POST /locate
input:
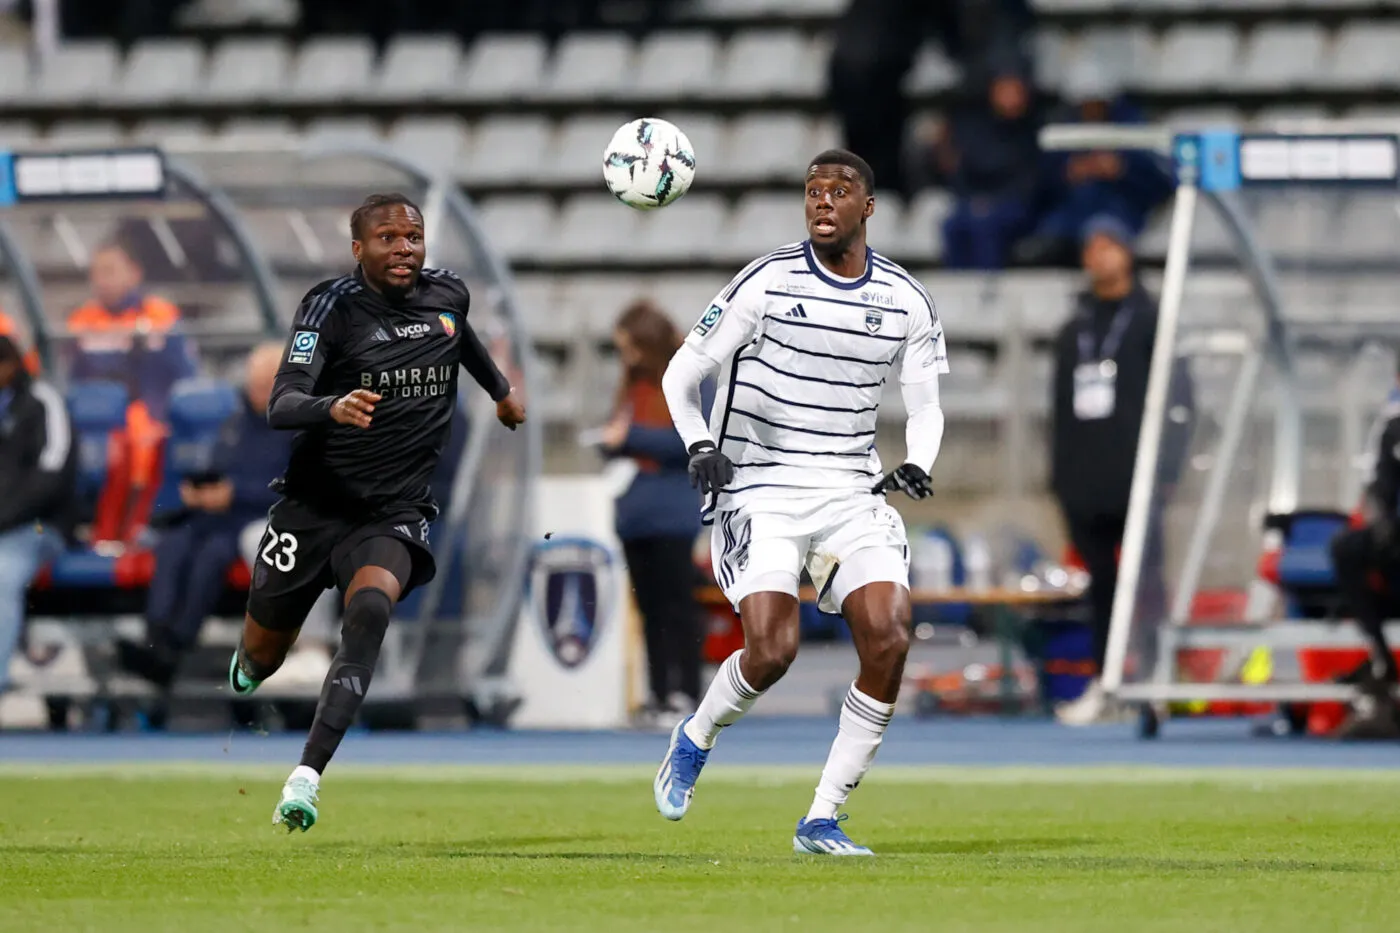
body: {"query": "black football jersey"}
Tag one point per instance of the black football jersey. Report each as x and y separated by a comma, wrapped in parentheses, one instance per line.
(347, 336)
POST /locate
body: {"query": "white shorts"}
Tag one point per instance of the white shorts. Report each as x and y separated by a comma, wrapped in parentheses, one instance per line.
(844, 543)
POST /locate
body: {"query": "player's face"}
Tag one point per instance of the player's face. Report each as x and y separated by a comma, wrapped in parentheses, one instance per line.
(837, 206)
(391, 249)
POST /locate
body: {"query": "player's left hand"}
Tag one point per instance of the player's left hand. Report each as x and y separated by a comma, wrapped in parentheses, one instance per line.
(509, 411)
(908, 478)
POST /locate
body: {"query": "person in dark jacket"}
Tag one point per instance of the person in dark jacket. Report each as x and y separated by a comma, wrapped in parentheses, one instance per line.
(193, 556)
(38, 466)
(1366, 561)
(1078, 186)
(1103, 355)
(656, 517)
(990, 154)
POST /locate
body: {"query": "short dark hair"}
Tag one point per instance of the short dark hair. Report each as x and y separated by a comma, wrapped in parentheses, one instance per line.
(373, 203)
(846, 157)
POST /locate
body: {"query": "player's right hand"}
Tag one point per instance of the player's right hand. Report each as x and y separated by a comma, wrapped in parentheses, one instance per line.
(710, 470)
(355, 409)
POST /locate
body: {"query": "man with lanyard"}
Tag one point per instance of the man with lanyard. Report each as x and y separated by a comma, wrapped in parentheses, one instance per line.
(1103, 355)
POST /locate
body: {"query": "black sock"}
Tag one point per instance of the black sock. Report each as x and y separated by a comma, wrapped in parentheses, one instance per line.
(252, 668)
(362, 633)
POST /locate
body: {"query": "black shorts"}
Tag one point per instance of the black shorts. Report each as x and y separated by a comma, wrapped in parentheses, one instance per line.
(304, 552)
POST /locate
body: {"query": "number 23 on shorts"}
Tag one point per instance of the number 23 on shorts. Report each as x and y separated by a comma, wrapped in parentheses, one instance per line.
(279, 550)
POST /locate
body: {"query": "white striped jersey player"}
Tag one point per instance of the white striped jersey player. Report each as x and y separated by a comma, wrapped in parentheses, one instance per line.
(802, 356)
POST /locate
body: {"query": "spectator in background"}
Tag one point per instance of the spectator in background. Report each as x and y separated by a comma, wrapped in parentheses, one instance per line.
(989, 153)
(657, 518)
(38, 464)
(127, 335)
(1103, 355)
(194, 553)
(1081, 185)
(875, 48)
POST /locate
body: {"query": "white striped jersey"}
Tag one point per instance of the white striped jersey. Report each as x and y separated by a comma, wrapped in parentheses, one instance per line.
(803, 357)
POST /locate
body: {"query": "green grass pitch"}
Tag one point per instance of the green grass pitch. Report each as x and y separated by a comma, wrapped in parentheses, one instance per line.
(425, 850)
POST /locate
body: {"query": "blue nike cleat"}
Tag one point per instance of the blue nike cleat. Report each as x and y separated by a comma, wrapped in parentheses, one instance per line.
(825, 837)
(680, 769)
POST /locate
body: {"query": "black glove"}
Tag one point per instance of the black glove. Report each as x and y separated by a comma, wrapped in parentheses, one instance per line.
(907, 478)
(710, 470)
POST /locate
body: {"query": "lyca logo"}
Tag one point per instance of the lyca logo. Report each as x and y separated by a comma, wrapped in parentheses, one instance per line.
(877, 298)
(413, 331)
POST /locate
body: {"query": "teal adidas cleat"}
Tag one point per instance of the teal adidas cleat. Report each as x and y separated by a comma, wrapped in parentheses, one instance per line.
(238, 681)
(297, 809)
(680, 769)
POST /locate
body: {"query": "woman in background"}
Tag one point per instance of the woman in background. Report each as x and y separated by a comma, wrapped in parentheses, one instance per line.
(658, 517)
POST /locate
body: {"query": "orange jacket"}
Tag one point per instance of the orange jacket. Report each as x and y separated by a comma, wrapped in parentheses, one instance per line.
(9, 329)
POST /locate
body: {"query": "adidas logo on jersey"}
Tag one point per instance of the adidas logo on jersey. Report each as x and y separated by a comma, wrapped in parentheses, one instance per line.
(381, 336)
(404, 530)
(797, 311)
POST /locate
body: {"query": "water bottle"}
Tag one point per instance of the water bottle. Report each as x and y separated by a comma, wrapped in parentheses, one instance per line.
(978, 556)
(932, 563)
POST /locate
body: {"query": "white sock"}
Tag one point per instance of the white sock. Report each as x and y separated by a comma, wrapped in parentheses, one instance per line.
(728, 698)
(306, 771)
(863, 723)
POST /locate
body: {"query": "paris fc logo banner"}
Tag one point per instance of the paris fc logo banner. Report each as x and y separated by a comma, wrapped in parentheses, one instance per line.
(571, 595)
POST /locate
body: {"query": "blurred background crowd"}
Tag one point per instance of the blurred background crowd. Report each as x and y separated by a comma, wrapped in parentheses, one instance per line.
(158, 327)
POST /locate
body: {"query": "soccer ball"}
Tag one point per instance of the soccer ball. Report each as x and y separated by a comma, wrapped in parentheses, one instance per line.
(648, 164)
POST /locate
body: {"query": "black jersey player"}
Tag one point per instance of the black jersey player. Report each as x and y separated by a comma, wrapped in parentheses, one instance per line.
(369, 382)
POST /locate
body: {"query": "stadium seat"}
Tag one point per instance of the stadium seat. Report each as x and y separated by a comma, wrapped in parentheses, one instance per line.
(417, 67)
(511, 149)
(331, 68)
(97, 412)
(1287, 117)
(590, 66)
(1305, 572)
(1282, 57)
(762, 222)
(80, 133)
(687, 231)
(344, 131)
(77, 72)
(589, 306)
(933, 72)
(536, 296)
(1369, 228)
(1108, 57)
(499, 68)
(14, 72)
(576, 158)
(437, 143)
(254, 131)
(198, 410)
(671, 65)
(1051, 48)
(684, 298)
(163, 130)
(1211, 51)
(1364, 57)
(706, 134)
(518, 225)
(160, 70)
(885, 229)
(243, 70)
(13, 133)
(593, 227)
(768, 64)
(922, 237)
(768, 146)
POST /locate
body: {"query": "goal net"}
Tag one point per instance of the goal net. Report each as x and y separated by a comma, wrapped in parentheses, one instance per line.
(1273, 360)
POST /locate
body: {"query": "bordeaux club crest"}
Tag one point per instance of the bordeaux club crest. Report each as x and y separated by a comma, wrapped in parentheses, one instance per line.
(874, 317)
(572, 589)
